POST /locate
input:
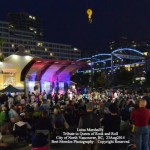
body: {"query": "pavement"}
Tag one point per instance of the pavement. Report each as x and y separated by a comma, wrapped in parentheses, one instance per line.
(23, 145)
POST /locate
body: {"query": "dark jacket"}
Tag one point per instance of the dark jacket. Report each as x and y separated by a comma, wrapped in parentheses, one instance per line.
(89, 120)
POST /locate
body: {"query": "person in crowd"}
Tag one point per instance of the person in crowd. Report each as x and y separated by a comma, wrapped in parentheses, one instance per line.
(111, 123)
(58, 119)
(39, 142)
(21, 122)
(3, 98)
(140, 118)
(10, 100)
(3, 120)
(44, 96)
(44, 122)
(89, 120)
(32, 98)
(22, 129)
(13, 115)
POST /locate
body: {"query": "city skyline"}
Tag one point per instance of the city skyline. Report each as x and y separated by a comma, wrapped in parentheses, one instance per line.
(67, 22)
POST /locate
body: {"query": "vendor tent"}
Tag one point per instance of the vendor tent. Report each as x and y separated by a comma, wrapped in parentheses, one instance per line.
(10, 89)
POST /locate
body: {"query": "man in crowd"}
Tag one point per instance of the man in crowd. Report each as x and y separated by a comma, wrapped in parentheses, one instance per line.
(140, 118)
(89, 120)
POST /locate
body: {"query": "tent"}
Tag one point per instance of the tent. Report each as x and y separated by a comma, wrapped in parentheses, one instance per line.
(10, 89)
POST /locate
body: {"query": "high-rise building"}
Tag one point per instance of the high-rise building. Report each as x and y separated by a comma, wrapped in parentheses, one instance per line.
(26, 22)
(11, 38)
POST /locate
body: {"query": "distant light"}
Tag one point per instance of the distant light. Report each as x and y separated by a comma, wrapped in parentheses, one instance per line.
(75, 49)
(31, 29)
(39, 44)
(27, 57)
(15, 56)
(127, 66)
(51, 54)
(12, 45)
(89, 63)
(134, 45)
(31, 84)
(27, 51)
(145, 53)
(32, 17)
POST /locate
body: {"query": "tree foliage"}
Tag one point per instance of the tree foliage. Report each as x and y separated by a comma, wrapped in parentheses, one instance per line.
(123, 76)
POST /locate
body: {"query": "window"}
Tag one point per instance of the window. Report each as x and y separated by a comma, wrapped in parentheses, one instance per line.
(39, 44)
(12, 45)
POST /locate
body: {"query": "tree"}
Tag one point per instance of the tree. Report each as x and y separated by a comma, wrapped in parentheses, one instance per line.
(82, 79)
(123, 76)
(1, 54)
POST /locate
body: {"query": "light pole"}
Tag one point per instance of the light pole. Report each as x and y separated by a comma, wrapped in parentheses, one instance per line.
(91, 74)
(112, 69)
(146, 63)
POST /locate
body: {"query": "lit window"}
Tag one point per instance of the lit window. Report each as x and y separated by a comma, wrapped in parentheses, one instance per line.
(75, 49)
(39, 44)
(27, 51)
(145, 53)
(31, 29)
(51, 54)
(12, 45)
(126, 66)
(46, 49)
(134, 45)
(11, 26)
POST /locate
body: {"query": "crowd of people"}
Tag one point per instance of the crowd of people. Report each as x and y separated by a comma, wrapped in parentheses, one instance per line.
(116, 110)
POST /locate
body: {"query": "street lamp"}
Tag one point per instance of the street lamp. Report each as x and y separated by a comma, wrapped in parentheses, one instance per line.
(146, 61)
(91, 73)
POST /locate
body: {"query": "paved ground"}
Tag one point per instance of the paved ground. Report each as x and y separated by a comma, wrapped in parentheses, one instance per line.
(23, 146)
(59, 147)
(68, 147)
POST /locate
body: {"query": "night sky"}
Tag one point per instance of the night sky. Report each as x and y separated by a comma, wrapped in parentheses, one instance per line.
(65, 21)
